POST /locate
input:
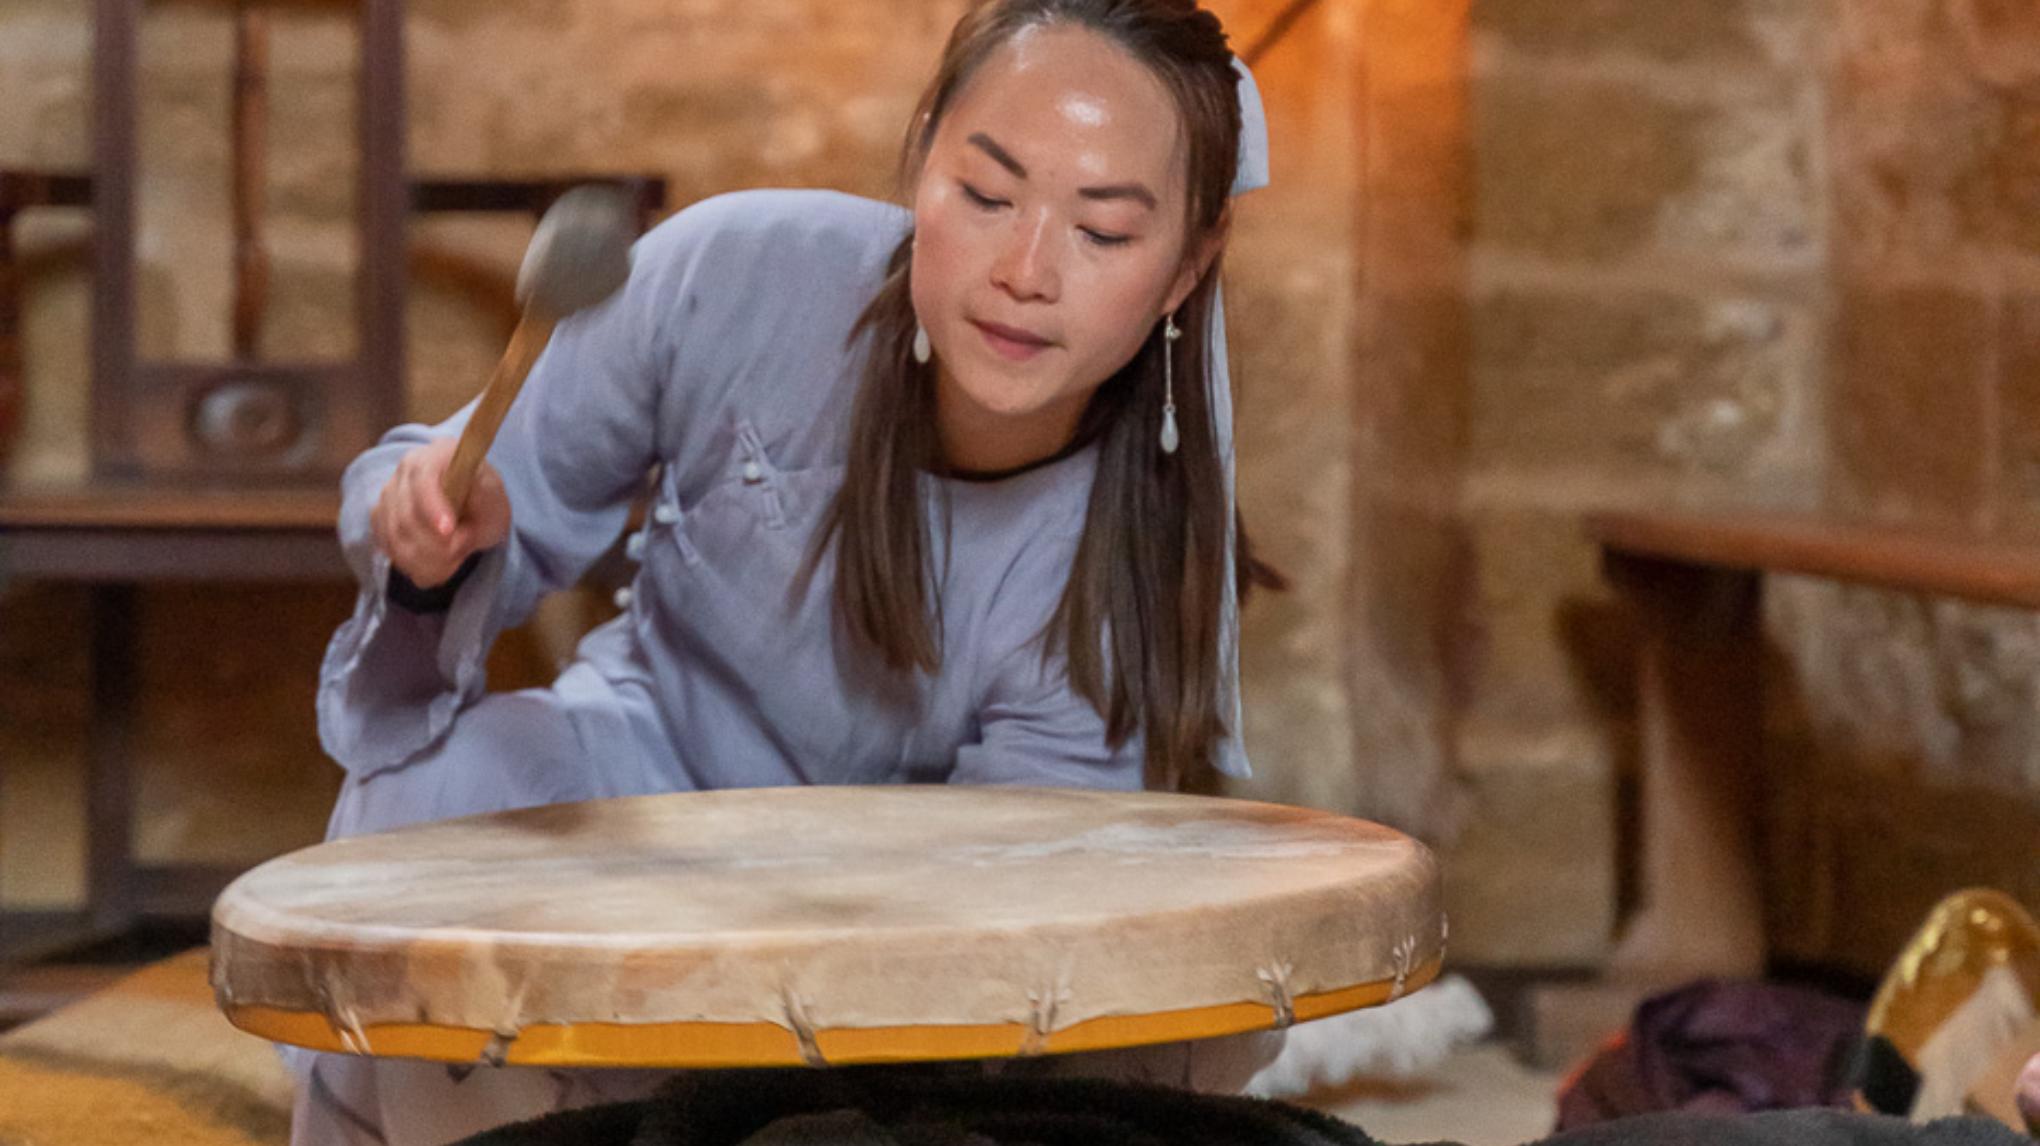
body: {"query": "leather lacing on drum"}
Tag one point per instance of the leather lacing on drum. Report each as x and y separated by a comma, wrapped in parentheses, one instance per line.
(347, 1024)
(1042, 1006)
(497, 1052)
(1405, 956)
(1275, 978)
(505, 1030)
(803, 1027)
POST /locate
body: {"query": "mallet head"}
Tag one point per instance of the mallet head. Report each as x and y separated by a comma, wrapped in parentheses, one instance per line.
(580, 253)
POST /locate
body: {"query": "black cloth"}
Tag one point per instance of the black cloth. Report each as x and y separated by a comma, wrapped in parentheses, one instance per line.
(1789, 1128)
(895, 1106)
(890, 1106)
(406, 595)
(1882, 1076)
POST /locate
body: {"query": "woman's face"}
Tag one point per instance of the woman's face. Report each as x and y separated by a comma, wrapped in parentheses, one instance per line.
(1049, 238)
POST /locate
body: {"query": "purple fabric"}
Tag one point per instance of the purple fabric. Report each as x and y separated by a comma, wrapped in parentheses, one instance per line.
(1717, 1047)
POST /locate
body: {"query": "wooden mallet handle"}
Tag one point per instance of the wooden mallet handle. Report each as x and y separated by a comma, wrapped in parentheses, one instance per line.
(579, 255)
(526, 343)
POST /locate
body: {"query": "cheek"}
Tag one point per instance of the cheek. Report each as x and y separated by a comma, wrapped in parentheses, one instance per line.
(943, 257)
(1119, 314)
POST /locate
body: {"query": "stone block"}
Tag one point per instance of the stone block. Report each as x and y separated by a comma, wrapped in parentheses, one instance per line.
(1413, 399)
(1725, 33)
(2001, 38)
(1597, 170)
(1630, 385)
(1908, 406)
(1898, 685)
(1999, 194)
(1898, 153)
(1530, 876)
(1890, 35)
(1409, 574)
(1578, 171)
(1934, 120)
(2018, 393)
(1548, 646)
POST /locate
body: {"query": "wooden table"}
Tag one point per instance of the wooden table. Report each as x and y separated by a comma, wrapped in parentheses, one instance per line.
(114, 538)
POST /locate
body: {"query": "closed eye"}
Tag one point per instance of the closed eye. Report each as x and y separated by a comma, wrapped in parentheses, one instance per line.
(981, 199)
(1106, 239)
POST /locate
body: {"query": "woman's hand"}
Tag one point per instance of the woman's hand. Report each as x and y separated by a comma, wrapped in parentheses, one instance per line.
(2029, 1095)
(418, 528)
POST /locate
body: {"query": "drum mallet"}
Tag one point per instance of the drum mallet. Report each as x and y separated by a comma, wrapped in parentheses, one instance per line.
(579, 256)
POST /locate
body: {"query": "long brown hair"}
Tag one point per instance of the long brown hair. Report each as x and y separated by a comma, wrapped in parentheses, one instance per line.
(1139, 620)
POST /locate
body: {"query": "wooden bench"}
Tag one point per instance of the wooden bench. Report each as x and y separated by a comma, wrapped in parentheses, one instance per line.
(1695, 583)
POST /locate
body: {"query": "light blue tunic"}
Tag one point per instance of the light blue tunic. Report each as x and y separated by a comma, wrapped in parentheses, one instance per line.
(724, 361)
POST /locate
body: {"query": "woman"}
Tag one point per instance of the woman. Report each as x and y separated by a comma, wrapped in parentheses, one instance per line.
(944, 494)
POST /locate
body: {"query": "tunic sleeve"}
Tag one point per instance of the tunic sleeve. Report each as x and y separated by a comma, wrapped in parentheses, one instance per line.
(1036, 731)
(572, 451)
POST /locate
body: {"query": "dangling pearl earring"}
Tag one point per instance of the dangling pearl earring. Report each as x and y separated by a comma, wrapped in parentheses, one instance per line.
(1170, 333)
(922, 351)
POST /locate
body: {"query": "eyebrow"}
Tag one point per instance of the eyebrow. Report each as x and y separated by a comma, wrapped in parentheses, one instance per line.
(1134, 191)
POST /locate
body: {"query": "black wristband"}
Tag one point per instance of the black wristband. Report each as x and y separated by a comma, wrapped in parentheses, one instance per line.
(406, 595)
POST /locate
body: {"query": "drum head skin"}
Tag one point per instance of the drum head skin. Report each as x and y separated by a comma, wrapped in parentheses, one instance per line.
(826, 925)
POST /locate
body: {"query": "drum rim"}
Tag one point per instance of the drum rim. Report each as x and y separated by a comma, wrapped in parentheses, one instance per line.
(703, 1045)
(304, 947)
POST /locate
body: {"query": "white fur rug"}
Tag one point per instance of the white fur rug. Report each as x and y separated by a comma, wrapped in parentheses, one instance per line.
(1397, 1040)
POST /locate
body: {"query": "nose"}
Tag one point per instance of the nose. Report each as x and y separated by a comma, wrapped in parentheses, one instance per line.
(1026, 267)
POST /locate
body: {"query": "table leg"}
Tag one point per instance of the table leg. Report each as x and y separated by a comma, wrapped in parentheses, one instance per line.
(10, 334)
(111, 903)
(1700, 716)
(109, 799)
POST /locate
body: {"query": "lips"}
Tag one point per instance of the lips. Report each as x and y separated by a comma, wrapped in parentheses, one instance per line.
(1010, 341)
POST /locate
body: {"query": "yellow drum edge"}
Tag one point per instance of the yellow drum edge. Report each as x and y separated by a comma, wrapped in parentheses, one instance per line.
(698, 1045)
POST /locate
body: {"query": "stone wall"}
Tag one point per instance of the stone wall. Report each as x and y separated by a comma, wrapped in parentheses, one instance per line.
(1910, 754)
(1646, 296)
(1763, 253)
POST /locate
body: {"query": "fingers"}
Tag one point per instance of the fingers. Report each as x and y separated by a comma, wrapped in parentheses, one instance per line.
(441, 515)
(2029, 1094)
(422, 471)
(416, 526)
(423, 531)
(488, 509)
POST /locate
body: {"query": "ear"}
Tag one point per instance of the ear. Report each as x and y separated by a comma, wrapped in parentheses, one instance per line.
(1198, 260)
